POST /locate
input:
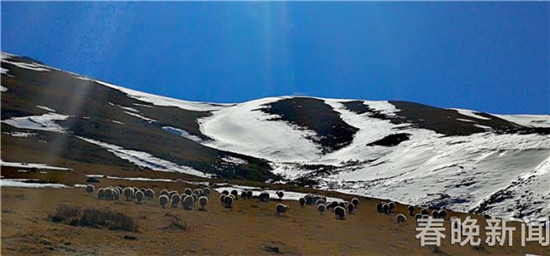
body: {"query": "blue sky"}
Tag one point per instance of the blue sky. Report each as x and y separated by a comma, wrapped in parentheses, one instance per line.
(492, 57)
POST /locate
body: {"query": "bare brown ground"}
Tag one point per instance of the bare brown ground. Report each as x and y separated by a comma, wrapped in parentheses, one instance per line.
(250, 228)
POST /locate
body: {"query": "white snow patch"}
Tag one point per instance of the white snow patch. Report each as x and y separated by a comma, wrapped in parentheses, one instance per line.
(44, 122)
(20, 134)
(161, 100)
(234, 160)
(528, 120)
(29, 183)
(384, 107)
(244, 129)
(149, 120)
(32, 165)
(465, 120)
(146, 160)
(128, 178)
(117, 122)
(3, 89)
(182, 133)
(45, 108)
(470, 113)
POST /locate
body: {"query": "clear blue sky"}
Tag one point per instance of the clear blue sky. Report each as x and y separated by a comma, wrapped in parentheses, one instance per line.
(491, 57)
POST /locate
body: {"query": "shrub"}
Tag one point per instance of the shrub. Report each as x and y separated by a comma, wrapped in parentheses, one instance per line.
(95, 218)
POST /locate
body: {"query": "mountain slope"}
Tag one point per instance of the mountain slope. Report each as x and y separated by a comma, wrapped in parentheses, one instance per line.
(460, 159)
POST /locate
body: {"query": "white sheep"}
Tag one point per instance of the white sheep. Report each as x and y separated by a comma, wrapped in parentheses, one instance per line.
(175, 200)
(280, 194)
(108, 194)
(321, 208)
(442, 213)
(90, 188)
(163, 200)
(228, 201)
(188, 191)
(206, 192)
(302, 201)
(320, 201)
(400, 218)
(203, 201)
(355, 201)
(340, 212)
(264, 196)
(351, 208)
(116, 194)
(101, 193)
(392, 206)
(139, 196)
(150, 193)
(164, 192)
(128, 193)
(222, 199)
(281, 209)
(188, 202)
(173, 192)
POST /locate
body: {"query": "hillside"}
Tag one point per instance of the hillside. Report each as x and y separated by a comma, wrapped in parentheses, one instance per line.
(463, 160)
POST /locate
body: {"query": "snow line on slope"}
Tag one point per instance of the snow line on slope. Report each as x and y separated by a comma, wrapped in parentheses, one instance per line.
(146, 160)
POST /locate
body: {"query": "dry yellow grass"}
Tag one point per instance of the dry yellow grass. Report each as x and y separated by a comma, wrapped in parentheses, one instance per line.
(250, 228)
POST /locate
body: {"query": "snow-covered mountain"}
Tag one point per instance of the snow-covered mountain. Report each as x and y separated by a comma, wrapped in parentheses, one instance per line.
(412, 153)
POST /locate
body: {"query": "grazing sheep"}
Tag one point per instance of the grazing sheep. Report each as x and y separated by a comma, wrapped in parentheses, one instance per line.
(320, 201)
(188, 191)
(108, 194)
(222, 199)
(206, 192)
(244, 194)
(339, 212)
(302, 201)
(442, 214)
(249, 194)
(392, 206)
(400, 218)
(435, 214)
(308, 199)
(417, 217)
(149, 194)
(90, 189)
(203, 201)
(175, 199)
(281, 208)
(225, 192)
(163, 200)
(314, 199)
(228, 201)
(142, 189)
(355, 201)
(380, 207)
(116, 195)
(332, 205)
(424, 211)
(101, 193)
(425, 216)
(411, 210)
(128, 193)
(197, 191)
(342, 204)
(235, 193)
(386, 208)
(188, 202)
(351, 208)
(195, 198)
(164, 192)
(264, 196)
(139, 196)
(321, 208)
(173, 192)
(280, 194)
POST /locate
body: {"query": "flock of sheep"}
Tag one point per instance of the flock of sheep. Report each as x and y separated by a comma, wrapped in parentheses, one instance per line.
(189, 198)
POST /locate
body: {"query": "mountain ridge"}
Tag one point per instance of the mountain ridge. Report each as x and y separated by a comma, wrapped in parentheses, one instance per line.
(404, 151)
